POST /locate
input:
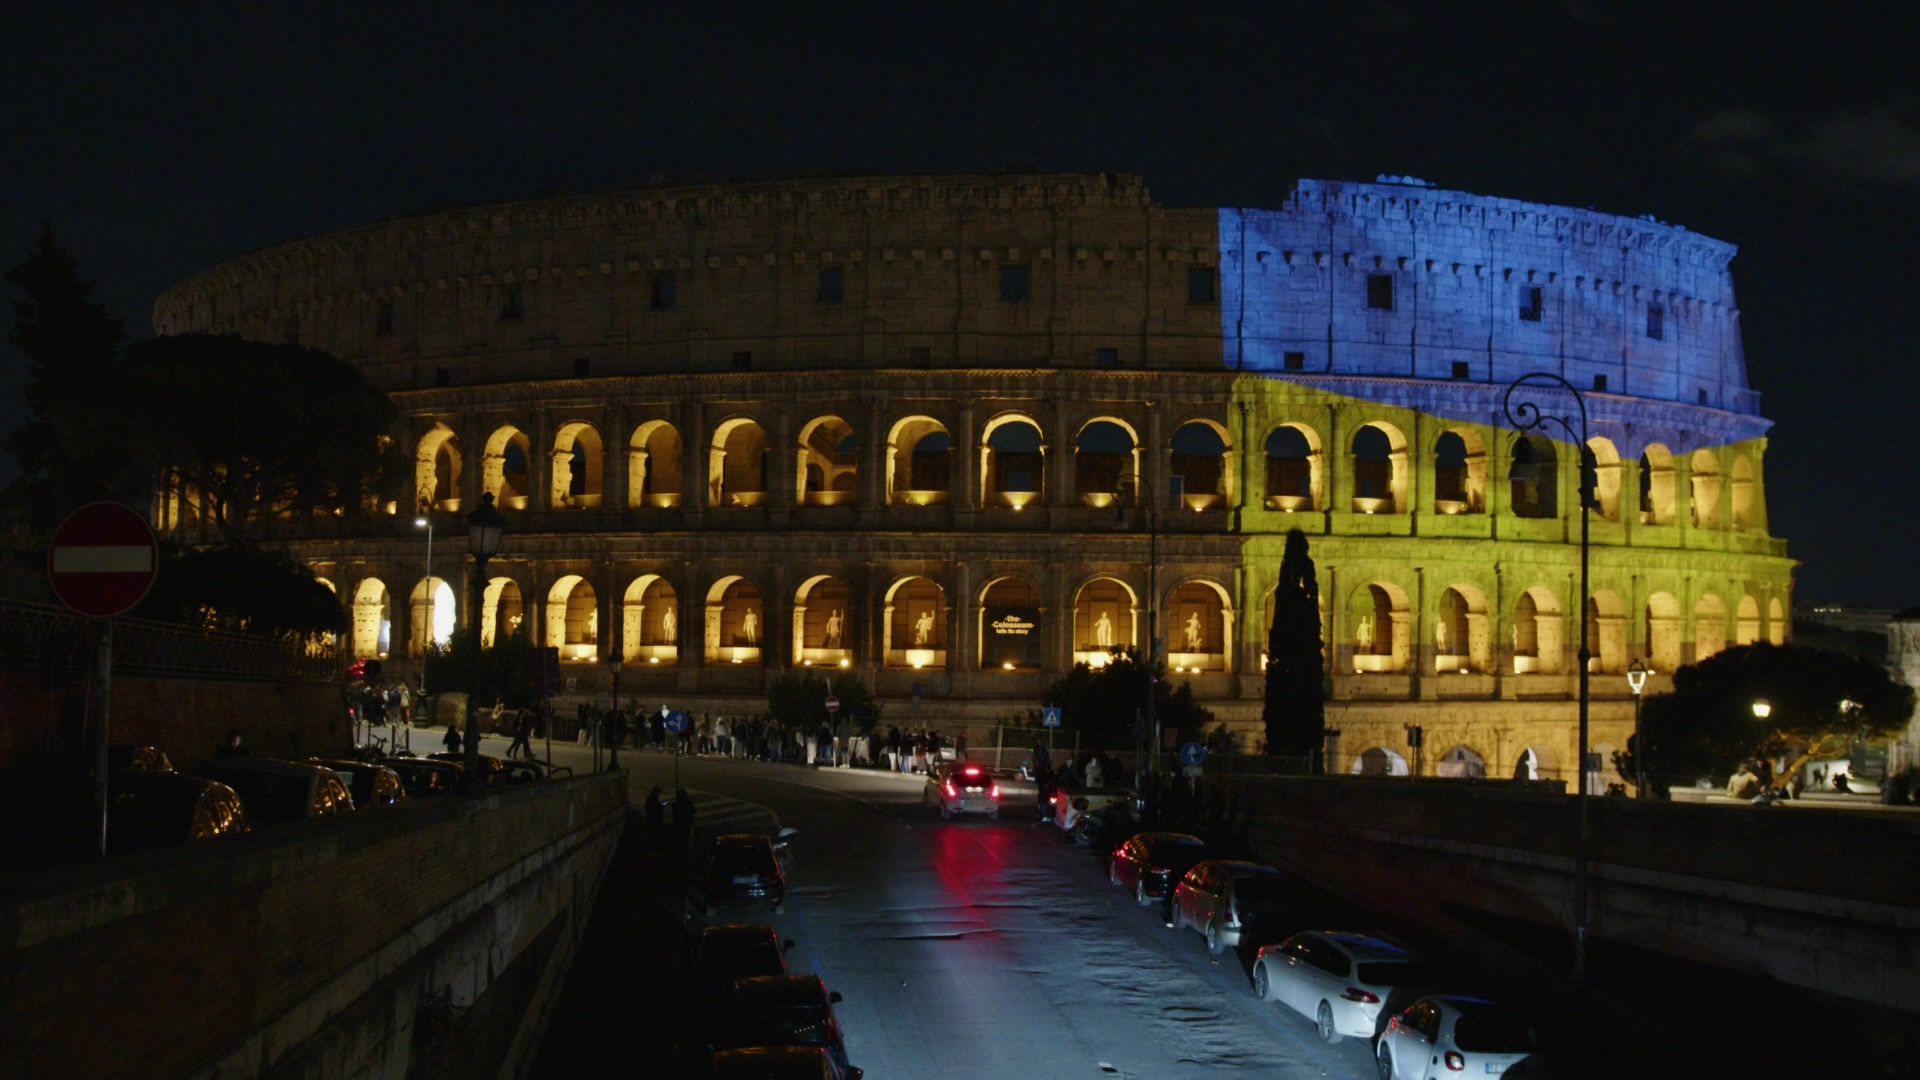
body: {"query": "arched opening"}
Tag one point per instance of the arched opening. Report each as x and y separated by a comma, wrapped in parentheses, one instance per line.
(1747, 623)
(1202, 466)
(504, 468)
(1105, 452)
(826, 463)
(1776, 621)
(915, 621)
(1539, 635)
(737, 464)
(1379, 761)
(1010, 626)
(1012, 463)
(823, 623)
(1606, 471)
(654, 462)
(502, 611)
(1293, 469)
(1383, 629)
(1656, 486)
(436, 471)
(1106, 616)
(1663, 632)
(1459, 473)
(919, 462)
(1531, 765)
(579, 471)
(1199, 628)
(431, 616)
(1709, 626)
(1379, 469)
(1703, 472)
(573, 618)
(1462, 640)
(372, 620)
(1534, 478)
(1606, 633)
(650, 622)
(1461, 763)
(1743, 492)
(735, 627)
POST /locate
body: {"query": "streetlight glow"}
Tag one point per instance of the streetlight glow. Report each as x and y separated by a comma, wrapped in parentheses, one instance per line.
(1762, 709)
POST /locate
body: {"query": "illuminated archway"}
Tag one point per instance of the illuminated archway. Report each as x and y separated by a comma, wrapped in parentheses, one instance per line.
(1379, 761)
(436, 471)
(823, 623)
(1703, 472)
(578, 473)
(1664, 632)
(1199, 628)
(1106, 454)
(1459, 472)
(737, 464)
(431, 615)
(919, 462)
(1106, 616)
(1656, 486)
(1747, 621)
(1709, 626)
(826, 463)
(502, 611)
(1382, 628)
(1606, 633)
(650, 622)
(1606, 472)
(1462, 637)
(1013, 460)
(372, 620)
(1202, 465)
(1776, 621)
(1743, 493)
(1533, 478)
(573, 618)
(1294, 482)
(504, 468)
(735, 629)
(1461, 763)
(1379, 463)
(1539, 633)
(655, 460)
(1010, 626)
(915, 624)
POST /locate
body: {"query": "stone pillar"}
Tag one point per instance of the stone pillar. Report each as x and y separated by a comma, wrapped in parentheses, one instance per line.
(473, 447)
(869, 482)
(1059, 460)
(614, 478)
(1158, 463)
(1057, 615)
(784, 462)
(693, 475)
(868, 658)
(963, 647)
(963, 477)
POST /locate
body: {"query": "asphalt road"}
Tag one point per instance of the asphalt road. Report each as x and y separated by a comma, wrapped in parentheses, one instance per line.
(969, 948)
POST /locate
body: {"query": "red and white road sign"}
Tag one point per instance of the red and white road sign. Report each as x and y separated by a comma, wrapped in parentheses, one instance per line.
(102, 560)
(833, 703)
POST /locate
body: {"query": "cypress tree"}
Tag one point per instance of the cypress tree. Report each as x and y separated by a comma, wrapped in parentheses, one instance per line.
(1295, 706)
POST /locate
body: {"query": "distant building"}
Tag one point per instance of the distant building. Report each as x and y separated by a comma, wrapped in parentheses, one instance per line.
(1903, 657)
(914, 426)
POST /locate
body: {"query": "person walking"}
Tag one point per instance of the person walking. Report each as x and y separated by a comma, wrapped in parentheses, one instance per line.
(452, 740)
(406, 705)
(823, 746)
(1096, 772)
(523, 735)
(722, 737)
(656, 816)
(615, 727)
(682, 823)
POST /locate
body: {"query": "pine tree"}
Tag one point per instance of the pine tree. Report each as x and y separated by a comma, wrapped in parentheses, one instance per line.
(1295, 707)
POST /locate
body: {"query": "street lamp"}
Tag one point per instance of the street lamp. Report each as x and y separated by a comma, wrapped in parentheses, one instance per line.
(1526, 414)
(1637, 681)
(427, 638)
(1144, 496)
(484, 527)
(1762, 709)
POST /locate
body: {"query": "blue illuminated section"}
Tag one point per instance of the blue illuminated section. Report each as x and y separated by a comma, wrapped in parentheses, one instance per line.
(1407, 295)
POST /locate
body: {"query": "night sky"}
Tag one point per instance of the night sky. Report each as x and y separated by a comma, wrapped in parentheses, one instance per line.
(159, 144)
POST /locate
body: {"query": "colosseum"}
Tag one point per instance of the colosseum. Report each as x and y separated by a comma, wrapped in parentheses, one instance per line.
(957, 433)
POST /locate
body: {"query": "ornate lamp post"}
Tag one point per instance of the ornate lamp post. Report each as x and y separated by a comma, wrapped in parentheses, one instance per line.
(427, 639)
(1637, 681)
(484, 528)
(1523, 406)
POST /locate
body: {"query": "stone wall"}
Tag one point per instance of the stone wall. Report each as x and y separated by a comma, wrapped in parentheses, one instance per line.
(420, 942)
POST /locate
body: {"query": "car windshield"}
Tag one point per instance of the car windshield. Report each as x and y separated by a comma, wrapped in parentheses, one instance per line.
(1394, 972)
(270, 796)
(1259, 888)
(792, 1025)
(744, 959)
(743, 860)
(1492, 1031)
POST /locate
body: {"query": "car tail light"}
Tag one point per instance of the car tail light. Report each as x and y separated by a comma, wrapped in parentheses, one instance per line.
(1364, 997)
(994, 792)
(952, 792)
(1455, 1062)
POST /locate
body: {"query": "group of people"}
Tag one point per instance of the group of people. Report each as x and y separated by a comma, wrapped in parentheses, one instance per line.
(1753, 781)
(656, 812)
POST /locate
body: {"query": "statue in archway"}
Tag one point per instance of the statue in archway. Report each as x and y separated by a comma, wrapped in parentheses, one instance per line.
(1364, 635)
(593, 626)
(1440, 636)
(750, 627)
(1193, 632)
(833, 630)
(923, 627)
(669, 626)
(1103, 631)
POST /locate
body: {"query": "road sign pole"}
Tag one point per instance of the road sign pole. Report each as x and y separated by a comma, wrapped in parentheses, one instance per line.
(103, 683)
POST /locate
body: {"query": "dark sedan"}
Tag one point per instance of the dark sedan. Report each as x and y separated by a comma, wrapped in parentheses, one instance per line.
(738, 869)
(725, 954)
(788, 1010)
(1151, 862)
(372, 784)
(54, 815)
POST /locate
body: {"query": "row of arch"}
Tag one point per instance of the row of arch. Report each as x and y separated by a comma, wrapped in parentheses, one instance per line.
(741, 462)
(1461, 761)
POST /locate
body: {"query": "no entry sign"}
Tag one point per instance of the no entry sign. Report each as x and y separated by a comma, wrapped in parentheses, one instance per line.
(103, 559)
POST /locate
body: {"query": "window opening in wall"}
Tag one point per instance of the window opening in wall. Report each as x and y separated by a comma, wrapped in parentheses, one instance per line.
(1380, 292)
(1646, 490)
(1460, 369)
(920, 356)
(1016, 284)
(1599, 382)
(1656, 322)
(1296, 361)
(512, 305)
(1701, 393)
(832, 287)
(442, 377)
(1106, 358)
(1533, 479)
(383, 319)
(1289, 470)
(1372, 464)
(742, 361)
(1532, 302)
(1450, 468)
(581, 365)
(1200, 288)
(665, 291)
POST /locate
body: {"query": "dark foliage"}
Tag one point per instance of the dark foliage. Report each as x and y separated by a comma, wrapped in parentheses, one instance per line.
(1105, 700)
(800, 700)
(243, 589)
(506, 668)
(1295, 706)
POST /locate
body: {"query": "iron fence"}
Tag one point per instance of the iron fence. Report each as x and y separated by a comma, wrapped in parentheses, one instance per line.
(52, 639)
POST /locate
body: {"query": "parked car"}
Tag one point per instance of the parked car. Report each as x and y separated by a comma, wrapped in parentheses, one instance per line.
(1341, 981)
(1151, 862)
(724, 954)
(788, 1010)
(773, 1063)
(279, 791)
(371, 783)
(737, 869)
(425, 779)
(492, 768)
(52, 814)
(523, 771)
(1225, 898)
(1067, 805)
(1454, 1035)
(961, 787)
(143, 758)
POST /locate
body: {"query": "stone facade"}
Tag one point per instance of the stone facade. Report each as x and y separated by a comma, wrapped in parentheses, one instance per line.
(957, 433)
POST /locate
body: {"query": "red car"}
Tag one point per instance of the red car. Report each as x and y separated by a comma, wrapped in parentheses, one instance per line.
(1151, 863)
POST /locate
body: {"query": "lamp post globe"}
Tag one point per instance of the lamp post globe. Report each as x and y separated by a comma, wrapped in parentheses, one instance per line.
(1762, 709)
(1637, 673)
(484, 529)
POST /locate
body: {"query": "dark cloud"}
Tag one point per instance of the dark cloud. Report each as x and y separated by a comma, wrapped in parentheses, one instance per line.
(1877, 147)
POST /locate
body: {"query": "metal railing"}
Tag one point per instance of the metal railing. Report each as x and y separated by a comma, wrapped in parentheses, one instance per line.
(47, 637)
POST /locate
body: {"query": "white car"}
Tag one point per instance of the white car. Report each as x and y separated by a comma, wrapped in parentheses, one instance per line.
(961, 787)
(1341, 981)
(1449, 1035)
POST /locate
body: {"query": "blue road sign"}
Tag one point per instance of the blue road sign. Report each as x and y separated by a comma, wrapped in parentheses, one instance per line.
(1192, 754)
(677, 722)
(1050, 717)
